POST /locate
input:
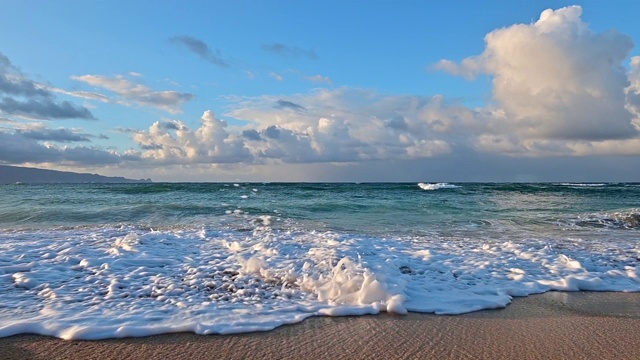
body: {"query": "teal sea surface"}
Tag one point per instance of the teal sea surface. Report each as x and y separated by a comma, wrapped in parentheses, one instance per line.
(385, 208)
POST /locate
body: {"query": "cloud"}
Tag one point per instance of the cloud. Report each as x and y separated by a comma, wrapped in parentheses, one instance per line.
(251, 134)
(284, 104)
(128, 92)
(276, 76)
(633, 91)
(4, 120)
(177, 143)
(83, 94)
(23, 97)
(15, 85)
(58, 135)
(44, 109)
(320, 79)
(468, 68)
(13, 82)
(289, 51)
(555, 79)
(201, 49)
(17, 148)
(347, 125)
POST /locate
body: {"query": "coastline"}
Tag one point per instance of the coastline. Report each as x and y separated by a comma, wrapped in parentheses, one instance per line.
(581, 325)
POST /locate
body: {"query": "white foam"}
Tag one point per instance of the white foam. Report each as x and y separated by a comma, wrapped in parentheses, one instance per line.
(72, 284)
(587, 185)
(436, 186)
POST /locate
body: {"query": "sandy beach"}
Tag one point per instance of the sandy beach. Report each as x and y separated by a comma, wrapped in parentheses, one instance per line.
(555, 325)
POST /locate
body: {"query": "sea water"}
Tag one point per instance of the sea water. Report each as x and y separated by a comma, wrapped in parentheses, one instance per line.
(94, 261)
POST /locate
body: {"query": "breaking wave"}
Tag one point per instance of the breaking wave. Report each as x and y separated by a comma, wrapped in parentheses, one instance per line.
(436, 186)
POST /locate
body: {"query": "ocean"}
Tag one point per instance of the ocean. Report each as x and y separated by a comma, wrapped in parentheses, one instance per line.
(95, 261)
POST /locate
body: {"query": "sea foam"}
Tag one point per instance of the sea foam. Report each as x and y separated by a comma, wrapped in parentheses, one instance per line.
(110, 282)
(436, 186)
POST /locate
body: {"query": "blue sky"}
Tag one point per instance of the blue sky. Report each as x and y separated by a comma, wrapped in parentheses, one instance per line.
(323, 91)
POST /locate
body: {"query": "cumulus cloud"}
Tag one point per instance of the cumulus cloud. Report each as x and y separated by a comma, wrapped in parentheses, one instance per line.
(201, 49)
(177, 143)
(128, 92)
(555, 79)
(347, 124)
(251, 134)
(338, 126)
(633, 91)
(289, 51)
(23, 97)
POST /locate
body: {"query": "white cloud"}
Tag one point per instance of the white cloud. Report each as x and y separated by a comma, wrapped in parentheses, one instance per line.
(129, 92)
(633, 91)
(559, 89)
(82, 94)
(346, 124)
(174, 142)
(555, 78)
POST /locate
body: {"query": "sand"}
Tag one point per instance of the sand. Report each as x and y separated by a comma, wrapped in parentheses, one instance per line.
(554, 325)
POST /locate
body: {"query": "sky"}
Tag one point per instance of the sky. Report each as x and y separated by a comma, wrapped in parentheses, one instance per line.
(323, 90)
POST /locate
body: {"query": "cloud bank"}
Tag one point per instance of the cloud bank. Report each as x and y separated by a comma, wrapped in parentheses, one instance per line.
(23, 147)
(326, 126)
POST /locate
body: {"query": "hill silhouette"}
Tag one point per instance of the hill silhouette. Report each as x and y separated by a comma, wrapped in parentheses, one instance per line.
(15, 174)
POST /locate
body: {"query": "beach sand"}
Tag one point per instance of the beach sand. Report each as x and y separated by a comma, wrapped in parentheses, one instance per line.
(555, 325)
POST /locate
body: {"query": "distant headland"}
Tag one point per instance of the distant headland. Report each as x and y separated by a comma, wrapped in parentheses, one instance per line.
(15, 174)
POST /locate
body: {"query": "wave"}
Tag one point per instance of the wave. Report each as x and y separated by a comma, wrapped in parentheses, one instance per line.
(436, 186)
(584, 185)
(103, 282)
(622, 220)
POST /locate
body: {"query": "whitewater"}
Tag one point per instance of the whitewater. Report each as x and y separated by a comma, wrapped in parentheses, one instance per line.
(96, 261)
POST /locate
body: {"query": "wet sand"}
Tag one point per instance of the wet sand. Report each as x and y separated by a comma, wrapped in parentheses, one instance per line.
(555, 325)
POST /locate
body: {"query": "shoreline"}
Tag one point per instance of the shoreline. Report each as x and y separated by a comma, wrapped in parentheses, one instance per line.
(580, 325)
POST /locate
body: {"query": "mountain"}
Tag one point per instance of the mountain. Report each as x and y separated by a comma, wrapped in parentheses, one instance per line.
(15, 174)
